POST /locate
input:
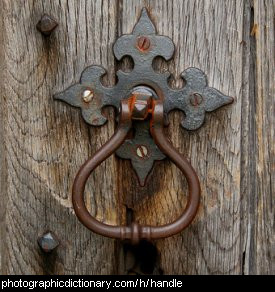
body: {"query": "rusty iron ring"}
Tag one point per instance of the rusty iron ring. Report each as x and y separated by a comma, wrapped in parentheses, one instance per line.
(136, 232)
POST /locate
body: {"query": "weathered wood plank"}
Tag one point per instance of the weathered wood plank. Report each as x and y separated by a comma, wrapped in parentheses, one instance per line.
(247, 135)
(207, 35)
(257, 184)
(2, 147)
(263, 255)
(47, 141)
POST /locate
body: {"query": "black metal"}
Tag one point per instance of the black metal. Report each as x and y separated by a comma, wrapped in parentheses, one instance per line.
(46, 25)
(48, 242)
(141, 150)
(143, 45)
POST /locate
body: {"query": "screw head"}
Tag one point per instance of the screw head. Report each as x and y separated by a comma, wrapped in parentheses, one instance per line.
(87, 95)
(48, 242)
(143, 43)
(142, 151)
(196, 99)
(46, 25)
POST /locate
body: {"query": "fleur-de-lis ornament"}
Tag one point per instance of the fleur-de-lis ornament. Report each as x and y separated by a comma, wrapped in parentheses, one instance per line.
(144, 45)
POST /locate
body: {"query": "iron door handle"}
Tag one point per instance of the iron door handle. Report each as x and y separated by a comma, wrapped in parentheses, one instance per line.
(136, 232)
(140, 94)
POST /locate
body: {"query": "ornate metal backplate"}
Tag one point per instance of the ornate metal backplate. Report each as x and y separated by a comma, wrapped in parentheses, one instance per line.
(144, 45)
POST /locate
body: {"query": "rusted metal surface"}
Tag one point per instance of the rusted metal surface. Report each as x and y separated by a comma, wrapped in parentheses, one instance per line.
(46, 25)
(136, 232)
(141, 98)
(141, 149)
(143, 45)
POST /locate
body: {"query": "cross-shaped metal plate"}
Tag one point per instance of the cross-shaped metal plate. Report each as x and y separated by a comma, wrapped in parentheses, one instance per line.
(144, 45)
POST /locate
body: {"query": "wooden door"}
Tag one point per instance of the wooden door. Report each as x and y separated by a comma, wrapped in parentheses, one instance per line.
(44, 142)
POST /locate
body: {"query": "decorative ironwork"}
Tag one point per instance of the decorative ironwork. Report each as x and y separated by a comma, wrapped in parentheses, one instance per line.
(144, 45)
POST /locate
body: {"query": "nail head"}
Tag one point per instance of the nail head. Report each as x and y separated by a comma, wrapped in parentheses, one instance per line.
(48, 242)
(46, 25)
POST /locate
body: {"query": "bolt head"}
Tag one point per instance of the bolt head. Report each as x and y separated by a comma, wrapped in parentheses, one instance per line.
(48, 242)
(140, 110)
(141, 103)
(46, 25)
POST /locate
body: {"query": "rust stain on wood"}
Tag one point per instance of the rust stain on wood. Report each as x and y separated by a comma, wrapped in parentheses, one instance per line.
(254, 30)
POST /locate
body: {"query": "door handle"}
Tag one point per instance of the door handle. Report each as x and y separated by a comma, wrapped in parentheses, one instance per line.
(136, 232)
(143, 100)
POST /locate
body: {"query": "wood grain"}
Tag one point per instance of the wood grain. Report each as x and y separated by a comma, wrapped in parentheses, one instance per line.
(262, 240)
(45, 142)
(3, 169)
(211, 245)
(257, 164)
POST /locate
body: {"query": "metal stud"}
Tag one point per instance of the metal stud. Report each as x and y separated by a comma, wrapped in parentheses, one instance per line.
(48, 242)
(46, 25)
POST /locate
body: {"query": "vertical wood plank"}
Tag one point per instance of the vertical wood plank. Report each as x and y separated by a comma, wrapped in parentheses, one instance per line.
(48, 141)
(3, 176)
(263, 258)
(248, 138)
(257, 185)
(207, 35)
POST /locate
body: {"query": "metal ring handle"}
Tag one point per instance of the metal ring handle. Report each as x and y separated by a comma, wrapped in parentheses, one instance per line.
(190, 211)
(135, 232)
